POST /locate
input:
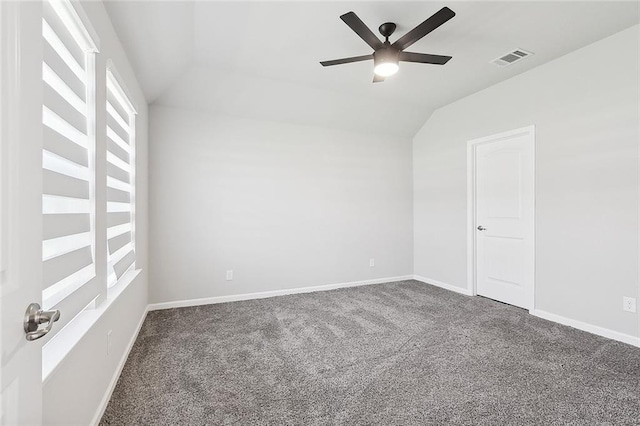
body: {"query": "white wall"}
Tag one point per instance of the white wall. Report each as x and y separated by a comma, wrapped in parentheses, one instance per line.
(585, 109)
(289, 206)
(75, 390)
(284, 206)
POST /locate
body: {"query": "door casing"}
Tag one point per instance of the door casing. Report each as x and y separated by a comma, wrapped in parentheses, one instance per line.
(471, 205)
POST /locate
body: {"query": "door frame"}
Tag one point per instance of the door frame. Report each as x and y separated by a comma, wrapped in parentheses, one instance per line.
(471, 204)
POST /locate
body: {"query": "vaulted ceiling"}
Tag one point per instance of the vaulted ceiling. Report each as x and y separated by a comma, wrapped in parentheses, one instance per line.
(260, 59)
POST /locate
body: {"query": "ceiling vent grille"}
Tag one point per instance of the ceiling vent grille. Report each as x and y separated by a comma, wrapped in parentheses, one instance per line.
(512, 57)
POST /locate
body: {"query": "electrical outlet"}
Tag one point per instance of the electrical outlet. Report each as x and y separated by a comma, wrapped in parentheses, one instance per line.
(372, 263)
(230, 275)
(628, 304)
(109, 342)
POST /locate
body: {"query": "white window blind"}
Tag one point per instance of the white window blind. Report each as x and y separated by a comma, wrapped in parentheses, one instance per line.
(120, 180)
(68, 200)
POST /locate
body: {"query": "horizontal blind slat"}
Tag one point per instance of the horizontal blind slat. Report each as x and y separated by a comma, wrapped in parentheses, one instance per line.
(54, 204)
(62, 50)
(57, 104)
(59, 225)
(60, 267)
(58, 164)
(120, 253)
(59, 184)
(115, 101)
(61, 29)
(118, 242)
(57, 64)
(62, 245)
(118, 184)
(118, 218)
(125, 263)
(60, 125)
(116, 161)
(114, 206)
(116, 149)
(57, 84)
(120, 119)
(122, 132)
(65, 287)
(71, 301)
(55, 142)
(118, 196)
(114, 231)
(117, 173)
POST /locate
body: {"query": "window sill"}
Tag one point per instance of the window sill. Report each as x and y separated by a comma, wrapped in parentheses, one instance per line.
(57, 349)
(115, 290)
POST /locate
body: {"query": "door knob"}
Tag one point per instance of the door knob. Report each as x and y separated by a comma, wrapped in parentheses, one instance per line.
(481, 228)
(34, 316)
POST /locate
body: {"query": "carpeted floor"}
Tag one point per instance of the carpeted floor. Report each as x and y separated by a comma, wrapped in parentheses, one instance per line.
(391, 354)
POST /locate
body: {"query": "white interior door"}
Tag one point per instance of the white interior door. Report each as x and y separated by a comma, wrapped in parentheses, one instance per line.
(504, 214)
(20, 208)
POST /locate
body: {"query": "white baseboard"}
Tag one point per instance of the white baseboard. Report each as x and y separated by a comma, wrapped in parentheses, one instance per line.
(590, 328)
(600, 331)
(114, 380)
(274, 293)
(604, 332)
(456, 289)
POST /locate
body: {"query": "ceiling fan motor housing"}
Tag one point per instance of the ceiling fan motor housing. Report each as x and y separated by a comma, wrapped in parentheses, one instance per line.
(386, 54)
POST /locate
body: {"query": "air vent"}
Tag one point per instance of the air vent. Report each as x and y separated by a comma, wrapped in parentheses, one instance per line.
(511, 57)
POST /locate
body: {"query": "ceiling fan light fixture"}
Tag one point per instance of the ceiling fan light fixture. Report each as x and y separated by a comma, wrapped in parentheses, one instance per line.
(385, 61)
(386, 69)
(386, 55)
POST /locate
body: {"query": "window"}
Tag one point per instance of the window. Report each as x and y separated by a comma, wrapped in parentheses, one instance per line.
(68, 161)
(120, 180)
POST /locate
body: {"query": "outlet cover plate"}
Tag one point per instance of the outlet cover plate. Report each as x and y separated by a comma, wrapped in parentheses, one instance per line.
(629, 304)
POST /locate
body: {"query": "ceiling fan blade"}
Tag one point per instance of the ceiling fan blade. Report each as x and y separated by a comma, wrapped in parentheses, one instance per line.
(423, 58)
(356, 24)
(437, 19)
(346, 60)
(378, 78)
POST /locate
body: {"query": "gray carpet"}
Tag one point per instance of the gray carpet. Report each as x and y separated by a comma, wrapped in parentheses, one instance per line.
(391, 354)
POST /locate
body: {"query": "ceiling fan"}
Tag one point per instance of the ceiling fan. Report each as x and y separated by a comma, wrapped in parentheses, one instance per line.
(387, 55)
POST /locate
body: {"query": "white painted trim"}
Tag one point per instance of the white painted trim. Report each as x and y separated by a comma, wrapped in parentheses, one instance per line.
(274, 293)
(74, 17)
(625, 338)
(590, 328)
(594, 329)
(56, 350)
(114, 82)
(116, 376)
(638, 183)
(454, 288)
(471, 205)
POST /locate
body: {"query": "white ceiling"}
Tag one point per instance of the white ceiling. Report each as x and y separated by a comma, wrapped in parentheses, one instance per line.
(260, 59)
